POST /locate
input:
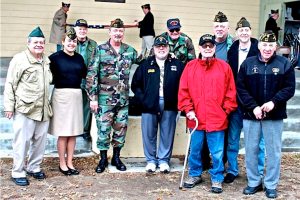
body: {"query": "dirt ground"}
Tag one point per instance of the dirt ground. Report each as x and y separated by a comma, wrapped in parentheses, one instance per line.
(90, 185)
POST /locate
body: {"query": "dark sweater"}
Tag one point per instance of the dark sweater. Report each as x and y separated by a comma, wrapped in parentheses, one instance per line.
(68, 71)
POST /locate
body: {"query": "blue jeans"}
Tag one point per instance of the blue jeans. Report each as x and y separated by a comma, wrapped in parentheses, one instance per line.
(234, 132)
(215, 141)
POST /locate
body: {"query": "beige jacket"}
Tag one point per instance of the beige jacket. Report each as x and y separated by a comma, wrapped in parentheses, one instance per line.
(27, 86)
(58, 27)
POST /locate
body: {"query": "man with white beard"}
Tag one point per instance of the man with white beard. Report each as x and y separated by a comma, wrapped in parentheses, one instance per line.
(155, 85)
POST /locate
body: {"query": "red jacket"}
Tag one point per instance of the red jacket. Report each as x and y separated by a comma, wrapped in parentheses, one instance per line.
(207, 88)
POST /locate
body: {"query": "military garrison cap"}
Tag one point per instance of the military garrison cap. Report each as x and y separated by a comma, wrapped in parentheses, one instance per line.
(71, 33)
(81, 22)
(160, 40)
(65, 4)
(37, 32)
(206, 38)
(267, 36)
(117, 23)
(147, 6)
(220, 17)
(274, 11)
(242, 23)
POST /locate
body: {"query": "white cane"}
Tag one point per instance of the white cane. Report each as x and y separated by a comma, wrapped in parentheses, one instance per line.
(187, 153)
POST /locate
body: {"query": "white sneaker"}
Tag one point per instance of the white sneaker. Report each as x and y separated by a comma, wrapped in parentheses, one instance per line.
(164, 168)
(151, 167)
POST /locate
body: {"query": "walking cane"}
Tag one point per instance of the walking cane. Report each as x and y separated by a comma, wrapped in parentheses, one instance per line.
(187, 152)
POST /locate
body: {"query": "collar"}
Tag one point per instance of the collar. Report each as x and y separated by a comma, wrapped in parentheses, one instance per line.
(32, 59)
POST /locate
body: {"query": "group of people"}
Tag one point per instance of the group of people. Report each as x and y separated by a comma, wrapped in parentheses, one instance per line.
(233, 84)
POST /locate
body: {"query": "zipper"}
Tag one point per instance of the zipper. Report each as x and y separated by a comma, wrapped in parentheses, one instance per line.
(265, 83)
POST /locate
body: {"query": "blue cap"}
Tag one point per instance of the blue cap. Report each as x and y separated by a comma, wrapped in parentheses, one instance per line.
(173, 24)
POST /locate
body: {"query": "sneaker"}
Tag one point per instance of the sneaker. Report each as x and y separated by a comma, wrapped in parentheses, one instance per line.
(192, 181)
(151, 167)
(216, 187)
(164, 168)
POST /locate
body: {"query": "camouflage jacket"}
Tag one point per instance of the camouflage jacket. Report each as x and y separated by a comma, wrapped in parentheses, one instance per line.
(183, 49)
(87, 52)
(108, 74)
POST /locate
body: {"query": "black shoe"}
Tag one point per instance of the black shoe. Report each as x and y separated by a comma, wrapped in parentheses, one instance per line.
(37, 175)
(252, 190)
(229, 178)
(23, 181)
(116, 161)
(271, 193)
(103, 163)
(66, 173)
(74, 171)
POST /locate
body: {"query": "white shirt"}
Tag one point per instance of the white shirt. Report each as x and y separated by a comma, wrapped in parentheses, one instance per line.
(161, 64)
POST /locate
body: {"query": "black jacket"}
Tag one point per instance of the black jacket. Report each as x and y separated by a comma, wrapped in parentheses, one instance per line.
(145, 84)
(146, 25)
(233, 55)
(259, 82)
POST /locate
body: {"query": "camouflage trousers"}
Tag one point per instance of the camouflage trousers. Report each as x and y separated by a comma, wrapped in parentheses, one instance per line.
(108, 118)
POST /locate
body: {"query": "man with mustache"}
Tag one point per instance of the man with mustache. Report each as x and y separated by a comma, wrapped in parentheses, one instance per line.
(26, 101)
(108, 88)
(155, 85)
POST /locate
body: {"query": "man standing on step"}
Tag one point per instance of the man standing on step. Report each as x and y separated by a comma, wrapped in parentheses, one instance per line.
(108, 87)
(26, 101)
(265, 83)
(85, 47)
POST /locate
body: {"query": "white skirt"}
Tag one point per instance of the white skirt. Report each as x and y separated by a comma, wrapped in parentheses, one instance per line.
(67, 108)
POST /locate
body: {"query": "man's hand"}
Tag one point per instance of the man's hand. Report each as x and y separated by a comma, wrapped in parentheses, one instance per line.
(191, 115)
(267, 107)
(9, 114)
(94, 106)
(258, 112)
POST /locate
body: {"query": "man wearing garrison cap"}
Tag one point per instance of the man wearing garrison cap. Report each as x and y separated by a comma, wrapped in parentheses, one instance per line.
(147, 32)
(265, 83)
(244, 47)
(108, 88)
(155, 85)
(85, 47)
(271, 23)
(26, 102)
(223, 38)
(58, 28)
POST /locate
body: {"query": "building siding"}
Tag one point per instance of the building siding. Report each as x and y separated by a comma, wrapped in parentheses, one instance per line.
(19, 17)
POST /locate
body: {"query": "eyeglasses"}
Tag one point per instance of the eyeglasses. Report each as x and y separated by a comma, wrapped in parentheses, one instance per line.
(175, 29)
(209, 45)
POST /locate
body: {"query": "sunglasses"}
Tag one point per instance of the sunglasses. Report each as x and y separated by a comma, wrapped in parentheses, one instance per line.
(209, 45)
(175, 29)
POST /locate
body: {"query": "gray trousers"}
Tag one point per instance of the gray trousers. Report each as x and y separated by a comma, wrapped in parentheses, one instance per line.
(272, 132)
(167, 126)
(147, 42)
(28, 135)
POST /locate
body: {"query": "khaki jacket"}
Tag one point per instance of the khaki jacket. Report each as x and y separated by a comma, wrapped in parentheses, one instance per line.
(58, 28)
(27, 86)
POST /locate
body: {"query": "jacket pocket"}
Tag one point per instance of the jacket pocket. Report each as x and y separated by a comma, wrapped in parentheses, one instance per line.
(30, 75)
(24, 107)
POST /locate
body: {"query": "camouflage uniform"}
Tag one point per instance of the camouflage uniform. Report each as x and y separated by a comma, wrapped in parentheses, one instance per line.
(108, 82)
(86, 50)
(183, 49)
